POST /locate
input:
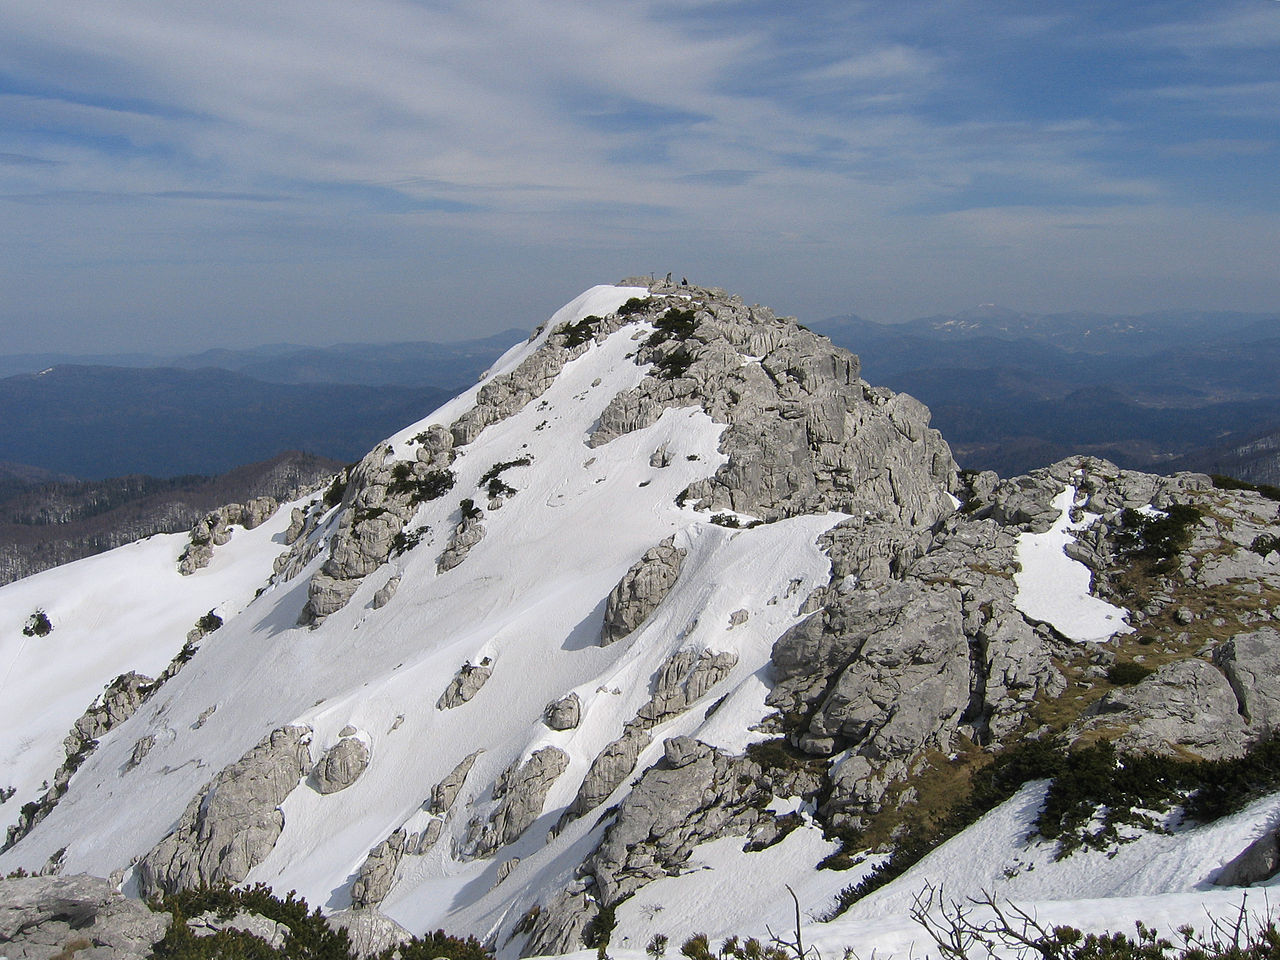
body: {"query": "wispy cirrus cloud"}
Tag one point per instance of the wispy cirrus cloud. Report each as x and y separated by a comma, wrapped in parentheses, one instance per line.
(559, 143)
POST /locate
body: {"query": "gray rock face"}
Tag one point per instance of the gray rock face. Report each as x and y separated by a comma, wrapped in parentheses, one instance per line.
(213, 530)
(641, 590)
(684, 678)
(1187, 705)
(446, 791)
(297, 525)
(254, 924)
(384, 594)
(1257, 862)
(563, 714)
(369, 931)
(140, 750)
(509, 393)
(116, 704)
(465, 685)
(44, 917)
(381, 497)
(681, 751)
(465, 536)
(607, 772)
(230, 826)
(290, 563)
(805, 433)
(341, 765)
(520, 792)
(378, 872)
(914, 641)
(658, 824)
(421, 841)
(327, 595)
(1251, 664)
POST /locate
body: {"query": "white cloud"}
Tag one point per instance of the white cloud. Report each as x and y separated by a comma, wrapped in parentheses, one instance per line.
(530, 133)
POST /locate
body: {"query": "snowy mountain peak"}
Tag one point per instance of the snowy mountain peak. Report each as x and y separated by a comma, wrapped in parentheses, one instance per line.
(670, 585)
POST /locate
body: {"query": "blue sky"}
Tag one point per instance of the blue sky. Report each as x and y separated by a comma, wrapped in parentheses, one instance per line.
(181, 175)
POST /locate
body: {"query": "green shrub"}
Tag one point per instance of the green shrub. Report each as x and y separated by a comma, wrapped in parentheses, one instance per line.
(431, 486)
(725, 520)
(209, 622)
(989, 787)
(1231, 483)
(1264, 543)
(469, 510)
(580, 332)
(1127, 673)
(492, 480)
(37, 624)
(600, 928)
(502, 466)
(674, 365)
(406, 540)
(310, 936)
(497, 488)
(438, 944)
(1225, 786)
(1156, 540)
(336, 490)
(633, 306)
(674, 324)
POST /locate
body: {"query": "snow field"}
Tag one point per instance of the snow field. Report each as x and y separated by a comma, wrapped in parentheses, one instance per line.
(128, 609)
(1054, 588)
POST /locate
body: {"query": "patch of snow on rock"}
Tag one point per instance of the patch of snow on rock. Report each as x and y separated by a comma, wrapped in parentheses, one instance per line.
(1054, 588)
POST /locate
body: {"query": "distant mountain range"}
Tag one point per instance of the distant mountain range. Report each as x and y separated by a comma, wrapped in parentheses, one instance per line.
(408, 364)
(211, 412)
(1011, 390)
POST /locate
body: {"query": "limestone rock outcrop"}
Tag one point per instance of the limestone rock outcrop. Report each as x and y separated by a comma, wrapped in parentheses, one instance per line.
(446, 791)
(1251, 663)
(469, 531)
(270, 931)
(116, 704)
(684, 678)
(380, 498)
(520, 792)
(377, 873)
(563, 714)
(46, 916)
(385, 592)
(610, 767)
(1257, 862)
(231, 825)
(465, 684)
(342, 765)
(669, 812)
(214, 529)
(369, 931)
(804, 435)
(641, 590)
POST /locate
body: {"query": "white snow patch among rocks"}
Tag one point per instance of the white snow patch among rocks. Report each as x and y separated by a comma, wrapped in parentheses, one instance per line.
(1054, 588)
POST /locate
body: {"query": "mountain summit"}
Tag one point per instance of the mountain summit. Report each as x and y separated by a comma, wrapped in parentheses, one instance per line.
(668, 610)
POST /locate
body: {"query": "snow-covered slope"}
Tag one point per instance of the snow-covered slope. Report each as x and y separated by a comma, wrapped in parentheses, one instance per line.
(611, 471)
